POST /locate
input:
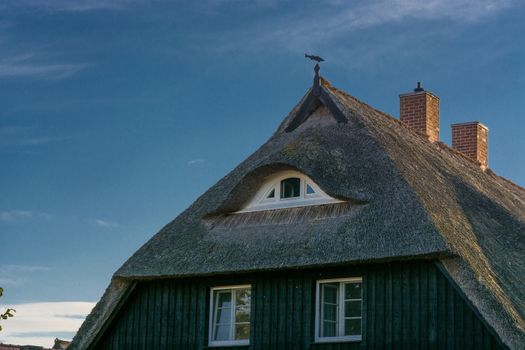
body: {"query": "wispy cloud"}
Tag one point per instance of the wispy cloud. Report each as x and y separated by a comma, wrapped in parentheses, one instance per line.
(381, 12)
(326, 25)
(106, 224)
(15, 215)
(40, 323)
(13, 137)
(35, 66)
(196, 162)
(15, 275)
(31, 59)
(23, 268)
(11, 216)
(66, 5)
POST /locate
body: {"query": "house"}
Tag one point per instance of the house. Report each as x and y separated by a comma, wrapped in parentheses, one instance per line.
(347, 229)
(60, 344)
(21, 347)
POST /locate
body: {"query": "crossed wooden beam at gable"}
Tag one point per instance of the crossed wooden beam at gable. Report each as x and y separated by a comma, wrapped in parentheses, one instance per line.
(315, 98)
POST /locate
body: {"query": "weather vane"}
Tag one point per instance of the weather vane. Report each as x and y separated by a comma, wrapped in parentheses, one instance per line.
(314, 58)
(316, 88)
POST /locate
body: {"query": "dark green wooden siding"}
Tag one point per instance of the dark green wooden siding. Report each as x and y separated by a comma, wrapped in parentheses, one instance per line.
(409, 305)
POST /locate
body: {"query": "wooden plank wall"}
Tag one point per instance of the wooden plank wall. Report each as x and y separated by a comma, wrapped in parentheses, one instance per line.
(408, 305)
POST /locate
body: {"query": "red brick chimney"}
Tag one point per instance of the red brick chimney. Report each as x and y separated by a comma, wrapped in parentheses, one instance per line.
(420, 110)
(472, 139)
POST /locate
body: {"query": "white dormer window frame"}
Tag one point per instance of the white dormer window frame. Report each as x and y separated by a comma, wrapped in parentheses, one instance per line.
(279, 191)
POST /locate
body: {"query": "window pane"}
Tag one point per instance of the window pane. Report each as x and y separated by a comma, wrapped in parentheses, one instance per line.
(353, 290)
(330, 292)
(309, 189)
(222, 333)
(352, 308)
(224, 298)
(242, 314)
(329, 329)
(329, 309)
(330, 312)
(242, 297)
(222, 320)
(353, 327)
(223, 316)
(271, 194)
(242, 331)
(291, 187)
(242, 305)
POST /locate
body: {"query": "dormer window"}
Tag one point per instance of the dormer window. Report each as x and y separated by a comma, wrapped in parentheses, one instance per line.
(291, 187)
(288, 189)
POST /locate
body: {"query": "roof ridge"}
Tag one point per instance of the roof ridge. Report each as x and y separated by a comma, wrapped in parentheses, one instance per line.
(442, 145)
(509, 182)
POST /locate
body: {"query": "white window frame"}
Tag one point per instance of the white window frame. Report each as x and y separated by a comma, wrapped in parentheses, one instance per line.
(340, 311)
(212, 316)
(260, 201)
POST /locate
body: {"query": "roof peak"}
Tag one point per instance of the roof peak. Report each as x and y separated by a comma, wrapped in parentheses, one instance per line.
(316, 96)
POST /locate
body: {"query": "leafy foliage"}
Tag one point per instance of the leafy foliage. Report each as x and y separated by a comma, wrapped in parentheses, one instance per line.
(8, 313)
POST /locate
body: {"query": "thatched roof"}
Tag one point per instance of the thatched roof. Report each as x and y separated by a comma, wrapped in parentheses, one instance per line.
(405, 198)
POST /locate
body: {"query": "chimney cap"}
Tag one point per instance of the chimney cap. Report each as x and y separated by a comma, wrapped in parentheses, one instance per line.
(419, 88)
(470, 123)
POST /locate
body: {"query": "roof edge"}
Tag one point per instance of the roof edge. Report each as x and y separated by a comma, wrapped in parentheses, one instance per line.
(424, 256)
(102, 314)
(496, 318)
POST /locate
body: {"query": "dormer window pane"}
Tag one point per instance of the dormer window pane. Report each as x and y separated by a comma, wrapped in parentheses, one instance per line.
(309, 189)
(291, 187)
(271, 194)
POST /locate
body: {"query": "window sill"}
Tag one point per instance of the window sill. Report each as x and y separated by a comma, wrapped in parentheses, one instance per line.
(338, 340)
(227, 345)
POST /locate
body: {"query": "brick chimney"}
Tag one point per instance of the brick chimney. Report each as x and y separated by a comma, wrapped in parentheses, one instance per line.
(420, 110)
(472, 139)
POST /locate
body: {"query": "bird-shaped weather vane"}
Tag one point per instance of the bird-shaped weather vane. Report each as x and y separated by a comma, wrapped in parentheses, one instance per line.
(314, 57)
(316, 89)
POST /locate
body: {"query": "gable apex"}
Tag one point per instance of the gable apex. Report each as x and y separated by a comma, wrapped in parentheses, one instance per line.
(317, 96)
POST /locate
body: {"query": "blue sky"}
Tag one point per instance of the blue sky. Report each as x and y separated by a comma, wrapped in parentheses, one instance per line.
(116, 115)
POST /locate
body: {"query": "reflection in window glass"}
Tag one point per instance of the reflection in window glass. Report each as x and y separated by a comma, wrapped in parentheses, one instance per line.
(230, 316)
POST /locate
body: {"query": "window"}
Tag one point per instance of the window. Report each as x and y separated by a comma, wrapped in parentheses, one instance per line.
(291, 187)
(339, 310)
(230, 315)
(288, 189)
(309, 189)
